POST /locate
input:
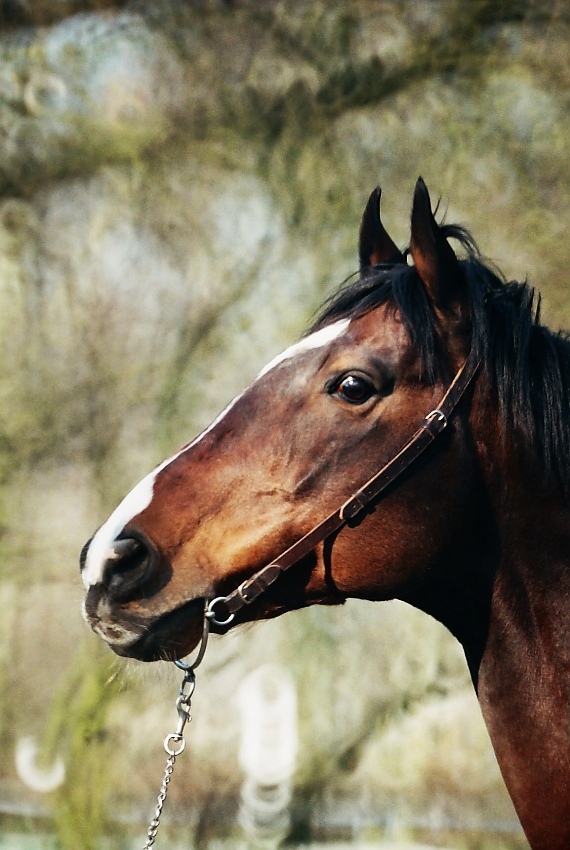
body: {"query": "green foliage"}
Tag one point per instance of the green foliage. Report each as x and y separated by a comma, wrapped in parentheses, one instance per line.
(78, 720)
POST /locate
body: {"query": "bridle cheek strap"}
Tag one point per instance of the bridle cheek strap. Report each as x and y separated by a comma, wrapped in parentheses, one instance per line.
(432, 426)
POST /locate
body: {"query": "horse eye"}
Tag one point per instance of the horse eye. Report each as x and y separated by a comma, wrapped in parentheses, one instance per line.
(355, 389)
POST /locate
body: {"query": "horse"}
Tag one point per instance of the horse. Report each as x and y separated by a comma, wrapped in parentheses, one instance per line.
(413, 444)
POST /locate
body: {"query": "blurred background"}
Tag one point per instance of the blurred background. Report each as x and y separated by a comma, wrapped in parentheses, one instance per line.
(181, 183)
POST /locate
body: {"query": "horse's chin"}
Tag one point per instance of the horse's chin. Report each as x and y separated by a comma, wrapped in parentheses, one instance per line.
(170, 637)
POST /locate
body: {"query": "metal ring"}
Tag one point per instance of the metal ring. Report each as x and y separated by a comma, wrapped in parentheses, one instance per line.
(211, 614)
(174, 736)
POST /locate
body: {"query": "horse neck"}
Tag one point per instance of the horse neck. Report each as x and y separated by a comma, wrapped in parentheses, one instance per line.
(531, 581)
(523, 677)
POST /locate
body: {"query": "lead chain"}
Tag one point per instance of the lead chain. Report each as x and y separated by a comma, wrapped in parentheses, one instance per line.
(174, 744)
(155, 822)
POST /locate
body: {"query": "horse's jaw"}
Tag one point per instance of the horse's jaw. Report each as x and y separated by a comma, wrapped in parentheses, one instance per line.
(165, 637)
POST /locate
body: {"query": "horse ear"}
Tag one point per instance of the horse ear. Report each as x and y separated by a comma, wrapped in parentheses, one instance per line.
(432, 254)
(375, 246)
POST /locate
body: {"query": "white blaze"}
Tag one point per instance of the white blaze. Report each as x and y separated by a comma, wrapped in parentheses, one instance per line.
(317, 340)
(140, 497)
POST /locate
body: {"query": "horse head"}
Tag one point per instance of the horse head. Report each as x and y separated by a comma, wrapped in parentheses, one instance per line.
(313, 426)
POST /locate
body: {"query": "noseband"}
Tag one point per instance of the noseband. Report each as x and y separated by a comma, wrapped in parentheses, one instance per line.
(432, 426)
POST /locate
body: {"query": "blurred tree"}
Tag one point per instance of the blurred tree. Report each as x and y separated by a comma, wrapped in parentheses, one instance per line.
(180, 186)
(78, 728)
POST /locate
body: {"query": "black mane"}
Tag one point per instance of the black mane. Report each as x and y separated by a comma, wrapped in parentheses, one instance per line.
(527, 365)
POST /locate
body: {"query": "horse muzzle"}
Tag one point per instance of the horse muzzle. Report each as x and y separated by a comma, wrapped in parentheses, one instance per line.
(167, 636)
(119, 606)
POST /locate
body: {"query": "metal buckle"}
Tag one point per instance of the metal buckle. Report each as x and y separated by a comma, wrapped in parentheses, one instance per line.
(353, 506)
(241, 593)
(441, 417)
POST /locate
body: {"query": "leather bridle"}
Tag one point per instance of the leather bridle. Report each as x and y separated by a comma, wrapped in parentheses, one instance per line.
(431, 427)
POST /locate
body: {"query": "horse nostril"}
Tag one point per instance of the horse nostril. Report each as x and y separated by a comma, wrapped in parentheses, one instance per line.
(130, 566)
